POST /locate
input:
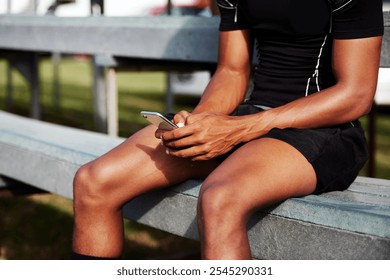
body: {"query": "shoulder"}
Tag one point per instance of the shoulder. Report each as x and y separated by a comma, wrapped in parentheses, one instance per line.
(339, 4)
(232, 17)
(227, 4)
(353, 19)
(361, 5)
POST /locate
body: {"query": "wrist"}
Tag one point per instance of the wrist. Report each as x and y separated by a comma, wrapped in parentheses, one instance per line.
(252, 126)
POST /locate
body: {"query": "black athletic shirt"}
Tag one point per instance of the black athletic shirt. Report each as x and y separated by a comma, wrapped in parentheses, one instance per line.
(294, 41)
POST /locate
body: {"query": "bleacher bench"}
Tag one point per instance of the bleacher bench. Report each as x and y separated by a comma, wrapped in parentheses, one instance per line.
(353, 224)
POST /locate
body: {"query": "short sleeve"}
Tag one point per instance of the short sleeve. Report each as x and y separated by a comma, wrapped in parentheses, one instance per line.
(352, 19)
(231, 16)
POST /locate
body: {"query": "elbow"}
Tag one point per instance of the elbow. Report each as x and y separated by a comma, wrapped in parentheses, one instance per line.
(367, 109)
(362, 100)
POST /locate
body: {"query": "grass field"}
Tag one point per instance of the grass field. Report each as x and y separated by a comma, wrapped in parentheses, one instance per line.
(39, 226)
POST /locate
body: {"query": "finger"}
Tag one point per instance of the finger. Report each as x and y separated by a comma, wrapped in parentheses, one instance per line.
(180, 118)
(183, 142)
(159, 133)
(189, 152)
(177, 134)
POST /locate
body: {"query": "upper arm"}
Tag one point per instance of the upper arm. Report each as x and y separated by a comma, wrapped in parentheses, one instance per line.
(228, 85)
(356, 64)
(357, 26)
(235, 51)
(235, 42)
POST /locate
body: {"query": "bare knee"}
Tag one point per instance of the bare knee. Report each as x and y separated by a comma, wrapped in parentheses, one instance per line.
(218, 205)
(90, 187)
(222, 222)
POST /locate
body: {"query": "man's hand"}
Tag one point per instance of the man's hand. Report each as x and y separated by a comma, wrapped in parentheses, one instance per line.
(201, 136)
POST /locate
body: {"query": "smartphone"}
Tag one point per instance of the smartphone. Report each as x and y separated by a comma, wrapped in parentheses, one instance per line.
(158, 120)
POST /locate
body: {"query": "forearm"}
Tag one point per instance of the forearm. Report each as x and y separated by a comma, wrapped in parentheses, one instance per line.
(329, 107)
(332, 106)
(225, 91)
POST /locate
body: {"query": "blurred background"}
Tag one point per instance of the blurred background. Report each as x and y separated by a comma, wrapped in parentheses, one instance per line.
(39, 226)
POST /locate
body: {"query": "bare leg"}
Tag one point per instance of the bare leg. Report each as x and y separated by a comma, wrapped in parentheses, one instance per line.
(101, 187)
(271, 172)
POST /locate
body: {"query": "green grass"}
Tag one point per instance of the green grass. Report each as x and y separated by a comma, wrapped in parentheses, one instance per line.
(39, 226)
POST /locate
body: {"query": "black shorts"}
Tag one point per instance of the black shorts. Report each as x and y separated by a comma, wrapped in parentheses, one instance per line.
(336, 153)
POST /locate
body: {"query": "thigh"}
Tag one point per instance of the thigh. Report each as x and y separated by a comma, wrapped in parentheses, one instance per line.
(140, 164)
(262, 172)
